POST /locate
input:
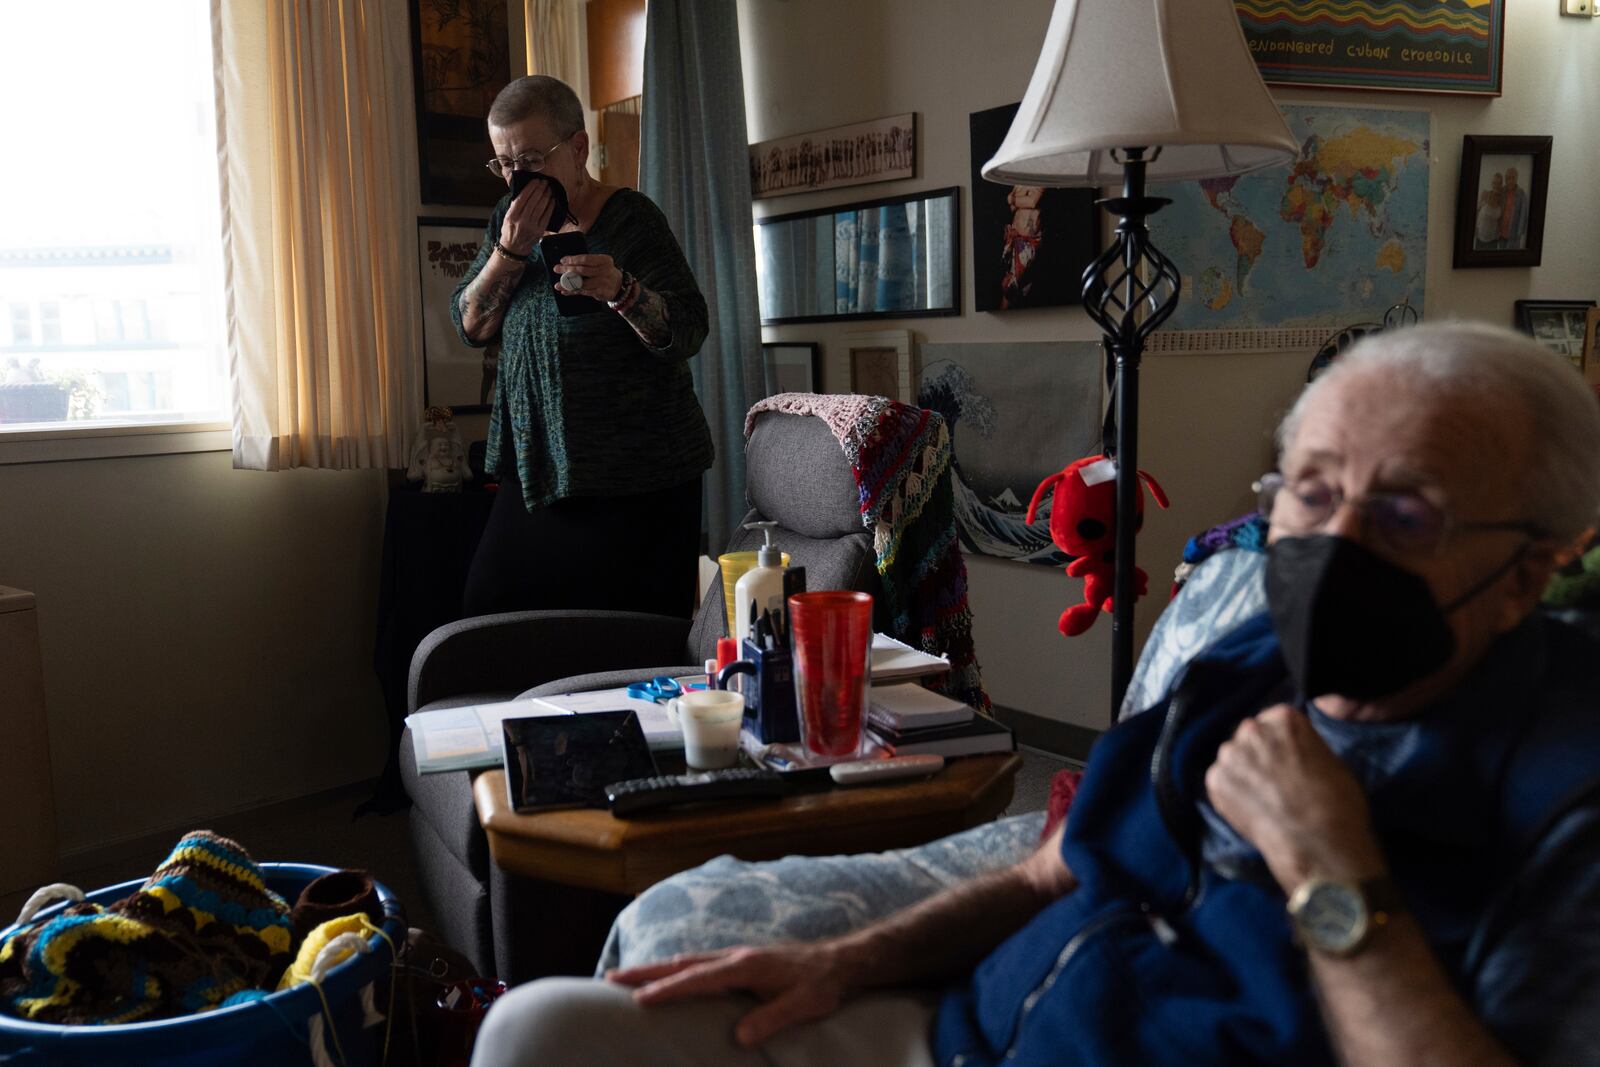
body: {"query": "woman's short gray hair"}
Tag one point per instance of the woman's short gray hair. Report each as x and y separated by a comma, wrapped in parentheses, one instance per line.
(1464, 358)
(542, 95)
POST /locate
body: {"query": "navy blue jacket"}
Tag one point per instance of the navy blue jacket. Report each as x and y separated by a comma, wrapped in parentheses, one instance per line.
(1160, 956)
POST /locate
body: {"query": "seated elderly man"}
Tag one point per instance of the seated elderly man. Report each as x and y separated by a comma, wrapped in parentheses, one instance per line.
(1363, 828)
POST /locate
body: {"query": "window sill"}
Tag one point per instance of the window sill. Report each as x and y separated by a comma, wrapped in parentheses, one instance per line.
(51, 445)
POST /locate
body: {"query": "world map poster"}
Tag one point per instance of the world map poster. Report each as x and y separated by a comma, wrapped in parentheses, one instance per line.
(1338, 236)
(1439, 46)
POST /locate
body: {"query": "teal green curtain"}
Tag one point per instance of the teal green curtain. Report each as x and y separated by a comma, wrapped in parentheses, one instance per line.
(694, 163)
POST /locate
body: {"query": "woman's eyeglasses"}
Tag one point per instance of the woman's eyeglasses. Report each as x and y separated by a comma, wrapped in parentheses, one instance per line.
(534, 162)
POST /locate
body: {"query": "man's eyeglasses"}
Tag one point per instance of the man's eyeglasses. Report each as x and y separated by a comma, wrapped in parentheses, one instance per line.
(1404, 522)
(534, 162)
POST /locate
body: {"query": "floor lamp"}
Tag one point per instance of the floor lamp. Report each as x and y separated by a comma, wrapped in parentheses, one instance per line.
(1136, 91)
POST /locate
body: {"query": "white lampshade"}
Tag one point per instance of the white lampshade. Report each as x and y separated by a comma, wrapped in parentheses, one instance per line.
(1113, 74)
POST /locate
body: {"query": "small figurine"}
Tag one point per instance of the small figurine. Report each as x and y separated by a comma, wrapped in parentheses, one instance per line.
(438, 458)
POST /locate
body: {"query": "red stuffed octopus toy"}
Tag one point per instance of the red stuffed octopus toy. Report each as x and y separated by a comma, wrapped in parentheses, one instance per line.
(1083, 524)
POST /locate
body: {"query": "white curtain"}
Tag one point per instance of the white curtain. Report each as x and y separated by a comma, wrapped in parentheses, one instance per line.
(557, 41)
(317, 158)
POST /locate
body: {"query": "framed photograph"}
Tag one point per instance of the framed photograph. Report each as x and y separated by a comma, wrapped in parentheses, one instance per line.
(1029, 244)
(1422, 46)
(1562, 326)
(1501, 200)
(792, 367)
(877, 151)
(460, 58)
(454, 375)
(882, 364)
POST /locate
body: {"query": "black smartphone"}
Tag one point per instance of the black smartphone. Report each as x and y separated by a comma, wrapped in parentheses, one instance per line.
(552, 249)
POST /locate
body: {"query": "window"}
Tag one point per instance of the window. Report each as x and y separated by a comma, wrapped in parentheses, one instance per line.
(110, 249)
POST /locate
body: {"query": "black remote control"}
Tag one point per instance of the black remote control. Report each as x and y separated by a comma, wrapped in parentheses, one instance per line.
(643, 794)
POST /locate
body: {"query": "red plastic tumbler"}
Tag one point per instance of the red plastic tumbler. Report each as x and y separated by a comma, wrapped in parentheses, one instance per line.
(832, 633)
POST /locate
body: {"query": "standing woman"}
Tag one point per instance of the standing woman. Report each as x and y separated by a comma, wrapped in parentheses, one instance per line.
(596, 434)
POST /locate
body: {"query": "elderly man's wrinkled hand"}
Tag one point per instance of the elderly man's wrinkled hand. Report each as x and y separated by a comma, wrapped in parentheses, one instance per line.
(1277, 783)
(796, 984)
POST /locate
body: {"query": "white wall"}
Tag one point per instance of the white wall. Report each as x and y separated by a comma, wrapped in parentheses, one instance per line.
(206, 633)
(1206, 420)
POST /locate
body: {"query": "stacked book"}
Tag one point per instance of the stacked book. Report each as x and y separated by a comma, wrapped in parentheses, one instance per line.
(908, 720)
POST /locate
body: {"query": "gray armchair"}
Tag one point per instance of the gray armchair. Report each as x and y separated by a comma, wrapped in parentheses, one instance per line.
(796, 475)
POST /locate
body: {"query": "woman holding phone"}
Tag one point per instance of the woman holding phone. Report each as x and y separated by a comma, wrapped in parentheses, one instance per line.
(595, 434)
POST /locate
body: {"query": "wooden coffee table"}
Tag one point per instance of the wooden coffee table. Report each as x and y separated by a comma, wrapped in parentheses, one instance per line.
(589, 849)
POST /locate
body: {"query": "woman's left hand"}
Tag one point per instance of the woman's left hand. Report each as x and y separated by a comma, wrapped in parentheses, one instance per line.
(601, 278)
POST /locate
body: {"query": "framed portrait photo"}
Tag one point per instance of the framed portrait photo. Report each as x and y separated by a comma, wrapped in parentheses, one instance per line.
(1562, 326)
(1500, 205)
(1029, 244)
(792, 367)
(454, 374)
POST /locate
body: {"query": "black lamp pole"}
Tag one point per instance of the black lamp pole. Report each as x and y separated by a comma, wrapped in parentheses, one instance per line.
(1129, 275)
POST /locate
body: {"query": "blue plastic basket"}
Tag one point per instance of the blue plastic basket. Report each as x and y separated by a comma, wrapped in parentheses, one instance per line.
(271, 1032)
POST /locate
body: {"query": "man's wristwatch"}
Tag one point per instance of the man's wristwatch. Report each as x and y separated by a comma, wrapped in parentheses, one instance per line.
(1338, 917)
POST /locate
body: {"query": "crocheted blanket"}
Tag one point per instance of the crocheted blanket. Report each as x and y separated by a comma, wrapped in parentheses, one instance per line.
(203, 927)
(900, 456)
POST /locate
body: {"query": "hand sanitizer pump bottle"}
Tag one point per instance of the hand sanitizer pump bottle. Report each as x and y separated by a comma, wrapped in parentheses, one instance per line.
(762, 584)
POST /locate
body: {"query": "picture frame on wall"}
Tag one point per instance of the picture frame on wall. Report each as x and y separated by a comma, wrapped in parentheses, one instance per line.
(1500, 202)
(454, 374)
(879, 150)
(1562, 326)
(1591, 347)
(792, 367)
(1029, 244)
(460, 59)
(1420, 46)
(882, 363)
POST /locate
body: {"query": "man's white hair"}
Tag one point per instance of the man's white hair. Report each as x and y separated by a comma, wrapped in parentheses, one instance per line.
(1562, 482)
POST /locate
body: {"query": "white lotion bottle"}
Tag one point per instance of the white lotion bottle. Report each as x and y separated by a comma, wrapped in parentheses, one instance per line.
(762, 584)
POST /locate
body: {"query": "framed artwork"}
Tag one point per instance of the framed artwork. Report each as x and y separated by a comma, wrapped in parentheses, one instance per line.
(1562, 326)
(1500, 204)
(1424, 46)
(882, 364)
(1591, 347)
(1029, 244)
(792, 367)
(877, 151)
(1017, 412)
(454, 374)
(460, 58)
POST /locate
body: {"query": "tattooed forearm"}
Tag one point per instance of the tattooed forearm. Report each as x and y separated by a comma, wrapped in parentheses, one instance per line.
(483, 303)
(648, 317)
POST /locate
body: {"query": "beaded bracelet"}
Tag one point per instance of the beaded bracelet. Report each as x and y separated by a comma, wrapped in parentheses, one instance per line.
(627, 294)
(512, 256)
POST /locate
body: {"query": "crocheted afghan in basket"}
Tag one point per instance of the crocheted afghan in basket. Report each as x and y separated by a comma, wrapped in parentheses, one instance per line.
(203, 927)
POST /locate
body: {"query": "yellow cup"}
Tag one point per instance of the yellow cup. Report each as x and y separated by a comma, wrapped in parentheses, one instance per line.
(734, 566)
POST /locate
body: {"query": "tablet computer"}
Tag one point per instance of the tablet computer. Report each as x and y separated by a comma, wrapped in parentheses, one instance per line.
(566, 761)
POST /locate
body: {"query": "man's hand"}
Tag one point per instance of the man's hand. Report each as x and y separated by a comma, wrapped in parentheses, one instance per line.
(1284, 790)
(797, 983)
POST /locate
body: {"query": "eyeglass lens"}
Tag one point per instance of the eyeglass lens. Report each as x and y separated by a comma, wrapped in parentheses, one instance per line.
(1402, 520)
